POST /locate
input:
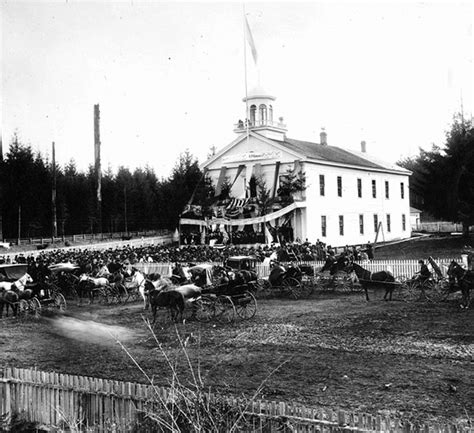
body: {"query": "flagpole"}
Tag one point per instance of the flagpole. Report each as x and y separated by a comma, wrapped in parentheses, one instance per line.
(247, 115)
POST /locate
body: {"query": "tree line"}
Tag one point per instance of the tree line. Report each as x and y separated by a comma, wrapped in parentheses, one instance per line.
(131, 200)
(442, 182)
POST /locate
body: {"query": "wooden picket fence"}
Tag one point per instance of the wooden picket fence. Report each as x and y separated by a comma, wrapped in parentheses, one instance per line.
(62, 402)
(399, 268)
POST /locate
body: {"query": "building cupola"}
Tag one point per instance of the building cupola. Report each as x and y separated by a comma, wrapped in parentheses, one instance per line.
(260, 115)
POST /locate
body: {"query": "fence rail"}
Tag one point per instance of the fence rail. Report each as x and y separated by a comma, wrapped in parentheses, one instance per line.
(399, 268)
(85, 236)
(61, 401)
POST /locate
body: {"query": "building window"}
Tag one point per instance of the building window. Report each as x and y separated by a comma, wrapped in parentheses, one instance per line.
(404, 222)
(402, 190)
(323, 225)
(361, 224)
(321, 184)
(270, 114)
(263, 114)
(341, 225)
(374, 189)
(387, 191)
(359, 188)
(389, 225)
(339, 186)
(376, 222)
(253, 113)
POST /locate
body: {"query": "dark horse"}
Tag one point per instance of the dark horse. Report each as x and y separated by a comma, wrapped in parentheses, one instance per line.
(366, 277)
(165, 295)
(462, 280)
(9, 299)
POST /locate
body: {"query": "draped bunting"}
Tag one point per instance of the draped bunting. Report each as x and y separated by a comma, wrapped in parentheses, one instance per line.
(245, 221)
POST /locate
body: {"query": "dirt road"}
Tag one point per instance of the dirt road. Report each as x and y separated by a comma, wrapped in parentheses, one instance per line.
(410, 360)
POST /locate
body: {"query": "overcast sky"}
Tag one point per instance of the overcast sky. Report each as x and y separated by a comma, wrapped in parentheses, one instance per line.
(170, 75)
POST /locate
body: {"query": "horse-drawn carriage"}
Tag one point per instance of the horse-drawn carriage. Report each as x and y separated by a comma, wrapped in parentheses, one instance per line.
(226, 293)
(285, 280)
(24, 296)
(215, 292)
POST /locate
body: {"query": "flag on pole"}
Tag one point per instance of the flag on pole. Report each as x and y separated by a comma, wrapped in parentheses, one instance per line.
(249, 37)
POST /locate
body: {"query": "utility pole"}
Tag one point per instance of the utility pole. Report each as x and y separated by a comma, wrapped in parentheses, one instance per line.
(54, 231)
(97, 165)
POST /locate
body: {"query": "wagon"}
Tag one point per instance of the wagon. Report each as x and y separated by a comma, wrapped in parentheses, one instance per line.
(63, 279)
(222, 302)
(284, 280)
(436, 288)
(46, 297)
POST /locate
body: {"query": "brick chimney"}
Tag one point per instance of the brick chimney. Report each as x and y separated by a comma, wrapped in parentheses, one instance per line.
(323, 137)
(363, 146)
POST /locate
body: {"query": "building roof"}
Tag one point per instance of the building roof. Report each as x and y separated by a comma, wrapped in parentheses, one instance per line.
(414, 210)
(323, 152)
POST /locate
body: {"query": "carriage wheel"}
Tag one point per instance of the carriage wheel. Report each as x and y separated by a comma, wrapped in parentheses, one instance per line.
(264, 288)
(293, 286)
(59, 302)
(35, 307)
(308, 286)
(411, 290)
(23, 309)
(224, 309)
(245, 305)
(204, 309)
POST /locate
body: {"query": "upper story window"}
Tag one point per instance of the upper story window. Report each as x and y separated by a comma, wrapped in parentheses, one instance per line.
(253, 114)
(341, 225)
(270, 113)
(361, 224)
(339, 186)
(387, 190)
(323, 225)
(359, 188)
(404, 222)
(376, 222)
(389, 223)
(263, 114)
(321, 184)
(402, 190)
(374, 189)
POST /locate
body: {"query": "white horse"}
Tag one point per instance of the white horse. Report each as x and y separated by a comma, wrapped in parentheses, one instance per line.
(19, 284)
(96, 282)
(136, 281)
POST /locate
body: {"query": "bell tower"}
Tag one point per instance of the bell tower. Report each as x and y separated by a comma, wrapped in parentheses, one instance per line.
(261, 116)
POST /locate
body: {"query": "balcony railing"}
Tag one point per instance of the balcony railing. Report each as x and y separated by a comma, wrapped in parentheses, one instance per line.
(242, 125)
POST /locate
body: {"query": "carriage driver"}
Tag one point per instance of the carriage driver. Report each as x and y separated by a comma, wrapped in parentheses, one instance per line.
(424, 273)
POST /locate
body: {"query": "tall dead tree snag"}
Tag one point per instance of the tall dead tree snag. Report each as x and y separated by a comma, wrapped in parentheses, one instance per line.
(98, 171)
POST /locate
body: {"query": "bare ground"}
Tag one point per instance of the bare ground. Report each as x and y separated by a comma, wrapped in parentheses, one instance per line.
(410, 360)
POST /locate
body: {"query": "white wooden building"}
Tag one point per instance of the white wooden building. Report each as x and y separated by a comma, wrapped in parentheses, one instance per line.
(349, 195)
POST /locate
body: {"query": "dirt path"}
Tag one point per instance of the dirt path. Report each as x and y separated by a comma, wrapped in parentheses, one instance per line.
(406, 359)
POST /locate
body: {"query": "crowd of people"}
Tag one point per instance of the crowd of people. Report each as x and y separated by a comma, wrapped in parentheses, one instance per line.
(91, 261)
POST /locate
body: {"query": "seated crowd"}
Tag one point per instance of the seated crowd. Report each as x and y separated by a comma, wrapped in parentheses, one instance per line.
(91, 261)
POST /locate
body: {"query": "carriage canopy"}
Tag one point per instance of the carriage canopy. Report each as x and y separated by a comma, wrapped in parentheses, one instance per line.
(12, 272)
